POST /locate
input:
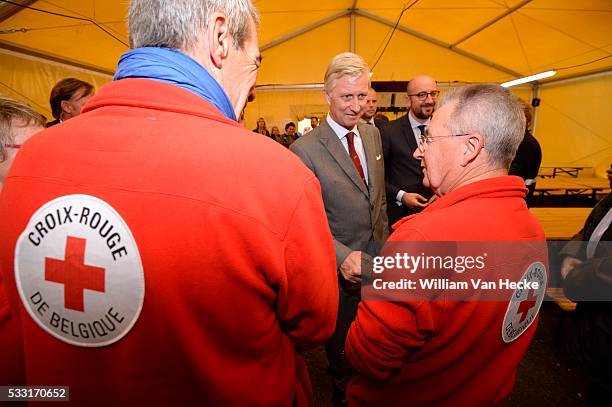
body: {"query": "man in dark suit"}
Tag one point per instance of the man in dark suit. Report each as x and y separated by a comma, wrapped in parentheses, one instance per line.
(347, 159)
(526, 163)
(403, 174)
(587, 273)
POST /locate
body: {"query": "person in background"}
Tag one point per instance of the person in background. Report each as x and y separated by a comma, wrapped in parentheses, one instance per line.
(261, 127)
(152, 249)
(526, 163)
(587, 272)
(18, 122)
(406, 194)
(275, 134)
(289, 136)
(67, 99)
(314, 122)
(367, 117)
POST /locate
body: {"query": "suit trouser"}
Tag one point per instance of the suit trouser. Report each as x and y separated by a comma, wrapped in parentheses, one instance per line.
(347, 310)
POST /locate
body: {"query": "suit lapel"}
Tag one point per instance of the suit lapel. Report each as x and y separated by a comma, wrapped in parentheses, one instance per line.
(370, 151)
(333, 144)
(409, 134)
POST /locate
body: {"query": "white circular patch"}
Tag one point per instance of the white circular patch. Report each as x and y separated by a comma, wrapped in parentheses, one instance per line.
(78, 271)
(525, 302)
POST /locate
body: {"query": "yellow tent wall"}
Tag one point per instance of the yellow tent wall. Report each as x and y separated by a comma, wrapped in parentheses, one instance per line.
(278, 107)
(574, 121)
(30, 79)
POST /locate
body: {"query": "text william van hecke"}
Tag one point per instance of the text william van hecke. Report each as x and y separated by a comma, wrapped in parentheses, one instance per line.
(446, 284)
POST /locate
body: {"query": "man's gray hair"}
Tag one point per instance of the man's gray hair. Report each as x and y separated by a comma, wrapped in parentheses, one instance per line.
(346, 63)
(178, 23)
(15, 113)
(492, 111)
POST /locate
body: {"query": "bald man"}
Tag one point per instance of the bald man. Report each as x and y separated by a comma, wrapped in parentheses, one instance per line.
(400, 138)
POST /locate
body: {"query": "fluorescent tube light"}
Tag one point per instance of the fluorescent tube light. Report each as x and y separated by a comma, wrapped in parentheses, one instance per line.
(530, 78)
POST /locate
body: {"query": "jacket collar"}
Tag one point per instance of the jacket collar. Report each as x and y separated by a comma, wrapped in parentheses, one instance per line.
(508, 186)
(155, 95)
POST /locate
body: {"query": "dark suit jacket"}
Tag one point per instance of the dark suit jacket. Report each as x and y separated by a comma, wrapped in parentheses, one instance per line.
(590, 342)
(357, 214)
(528, 158)
(402, 170)
(53, 123)
(526, 163)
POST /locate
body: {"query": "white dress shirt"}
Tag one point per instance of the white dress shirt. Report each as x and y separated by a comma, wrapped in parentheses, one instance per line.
(341, 132)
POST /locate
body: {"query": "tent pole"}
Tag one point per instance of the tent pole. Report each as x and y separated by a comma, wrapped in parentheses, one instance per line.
(352, 29)
(535, 93)
(579, 76)
(11, 11)
(301, 86)
(28, 53)
(439, 43)
(490, 23)
(303, 30)
(352, 33)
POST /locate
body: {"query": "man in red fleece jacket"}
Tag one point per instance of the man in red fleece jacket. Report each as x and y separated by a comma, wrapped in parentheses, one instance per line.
(420, 352)
(154, 252)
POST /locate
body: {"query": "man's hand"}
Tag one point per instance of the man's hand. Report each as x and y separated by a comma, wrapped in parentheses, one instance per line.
(568, 265)
(351, 268)
(414, 200)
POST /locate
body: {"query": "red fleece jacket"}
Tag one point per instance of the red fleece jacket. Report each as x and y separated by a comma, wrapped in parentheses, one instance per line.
(445, 353)
(238, 263)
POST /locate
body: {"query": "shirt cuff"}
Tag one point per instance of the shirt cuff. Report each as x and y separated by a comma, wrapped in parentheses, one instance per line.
(398, 197)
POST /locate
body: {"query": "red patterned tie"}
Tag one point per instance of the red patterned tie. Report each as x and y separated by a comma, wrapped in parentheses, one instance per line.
(353, 154)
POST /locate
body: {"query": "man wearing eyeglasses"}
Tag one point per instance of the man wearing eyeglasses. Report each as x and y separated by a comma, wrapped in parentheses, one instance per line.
(424, 351)
(403, 175)
(18, 122)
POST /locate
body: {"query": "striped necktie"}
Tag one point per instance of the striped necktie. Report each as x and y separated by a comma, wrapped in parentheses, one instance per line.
(353, 154)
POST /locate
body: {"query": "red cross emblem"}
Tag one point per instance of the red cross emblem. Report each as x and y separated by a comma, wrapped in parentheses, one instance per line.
(74, 273)
(526, 305)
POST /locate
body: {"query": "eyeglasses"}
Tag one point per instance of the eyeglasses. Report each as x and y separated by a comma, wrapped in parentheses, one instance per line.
(423, 95)
(256, 61)
(426, 139)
